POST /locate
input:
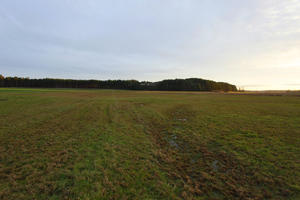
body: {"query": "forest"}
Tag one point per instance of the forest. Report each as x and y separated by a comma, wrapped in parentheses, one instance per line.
(190, 84)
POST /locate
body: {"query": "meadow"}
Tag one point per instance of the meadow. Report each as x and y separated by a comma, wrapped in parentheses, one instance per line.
(119, 144)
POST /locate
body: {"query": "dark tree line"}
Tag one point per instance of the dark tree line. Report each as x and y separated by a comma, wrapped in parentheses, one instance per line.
(194, 84)
(191, 84)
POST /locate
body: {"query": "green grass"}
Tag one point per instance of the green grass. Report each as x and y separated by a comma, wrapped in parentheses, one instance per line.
(110, 144)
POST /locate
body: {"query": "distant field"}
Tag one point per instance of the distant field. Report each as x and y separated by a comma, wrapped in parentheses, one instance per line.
(111, 144)
(270, 93)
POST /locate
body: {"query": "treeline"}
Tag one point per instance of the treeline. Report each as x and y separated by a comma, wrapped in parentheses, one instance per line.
(191, 84)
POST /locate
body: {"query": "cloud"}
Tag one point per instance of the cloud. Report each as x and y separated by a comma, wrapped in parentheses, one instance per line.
(281, 18)
(151, 39)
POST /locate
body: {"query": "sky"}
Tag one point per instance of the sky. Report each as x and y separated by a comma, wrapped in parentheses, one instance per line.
(254, 44)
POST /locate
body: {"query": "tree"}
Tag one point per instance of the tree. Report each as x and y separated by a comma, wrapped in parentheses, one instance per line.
(1, 80)
(191, 84)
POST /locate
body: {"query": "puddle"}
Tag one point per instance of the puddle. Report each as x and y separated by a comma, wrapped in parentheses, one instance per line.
(214, 165)
(183, 119)
(172, 141)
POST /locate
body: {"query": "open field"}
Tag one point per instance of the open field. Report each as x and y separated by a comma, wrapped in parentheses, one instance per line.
(110, 144)
(270, 93)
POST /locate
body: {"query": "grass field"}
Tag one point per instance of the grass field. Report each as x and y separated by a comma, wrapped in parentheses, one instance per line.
(110, 144)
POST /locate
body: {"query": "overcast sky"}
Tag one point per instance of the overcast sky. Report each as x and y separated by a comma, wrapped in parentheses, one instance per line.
(250, 43)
